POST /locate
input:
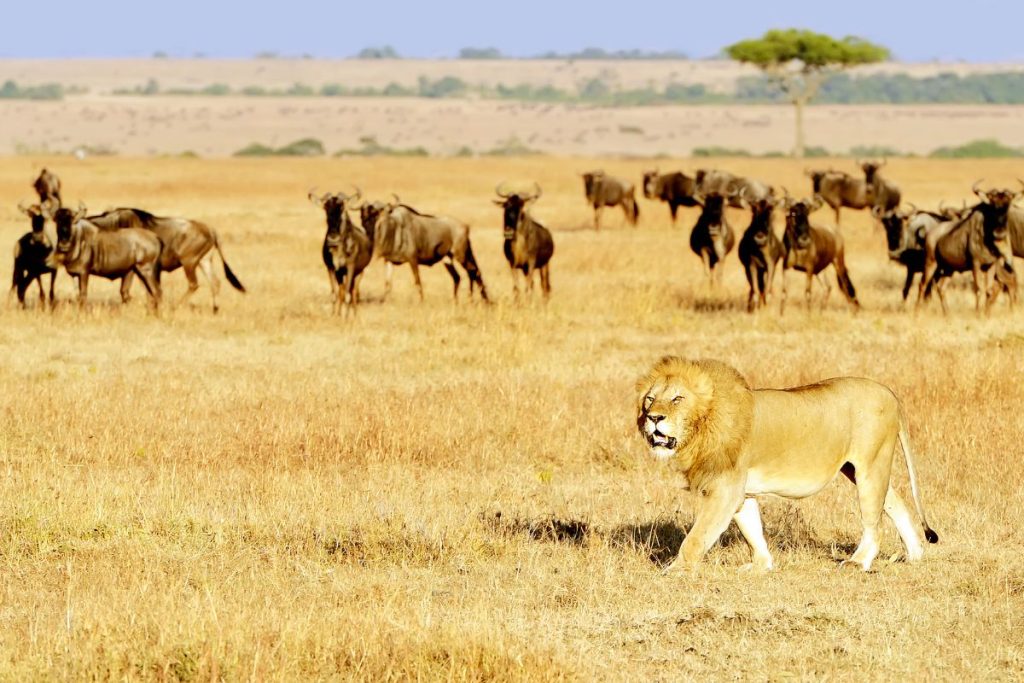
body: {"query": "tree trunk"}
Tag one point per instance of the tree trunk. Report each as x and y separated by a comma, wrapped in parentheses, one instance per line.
(798, 148)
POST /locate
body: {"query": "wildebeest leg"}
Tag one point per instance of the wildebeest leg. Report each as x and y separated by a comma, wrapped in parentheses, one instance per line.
(83, 288)
(545, 281)
(126, 287)
(53, 279)
(826, 286)
(597, 217)
(940, 287)
(148, 276)
(907, 284)
(930, 266)
(42, 290)
(515, 283)
(782, 298)
(980, 283)
(193, 284)
(456, 278)
(808, 288)
(333, 280)
(674, 209)
(389, 270)
(206, 265)
(751, 279)
(705, 257)
(416, 277)
(530, 268)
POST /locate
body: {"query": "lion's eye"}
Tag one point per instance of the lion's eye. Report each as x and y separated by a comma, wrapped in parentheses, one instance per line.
(677, 399)
(648, 400)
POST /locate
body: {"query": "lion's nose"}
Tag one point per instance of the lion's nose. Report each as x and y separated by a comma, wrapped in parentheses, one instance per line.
(655, 418)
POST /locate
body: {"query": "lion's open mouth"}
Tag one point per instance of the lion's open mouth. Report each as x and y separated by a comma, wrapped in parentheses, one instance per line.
(659, 440)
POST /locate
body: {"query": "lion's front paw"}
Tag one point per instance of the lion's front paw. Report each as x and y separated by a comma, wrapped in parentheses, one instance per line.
(677, 568)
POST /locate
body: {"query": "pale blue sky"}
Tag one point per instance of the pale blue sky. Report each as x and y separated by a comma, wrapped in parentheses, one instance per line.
(986, 30)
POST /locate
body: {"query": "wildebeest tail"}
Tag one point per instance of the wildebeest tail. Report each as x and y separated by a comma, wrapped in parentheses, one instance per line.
(845, 283)
(474, 271)
(228, 273)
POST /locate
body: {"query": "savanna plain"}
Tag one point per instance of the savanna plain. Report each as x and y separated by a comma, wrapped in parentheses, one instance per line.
(456, 491)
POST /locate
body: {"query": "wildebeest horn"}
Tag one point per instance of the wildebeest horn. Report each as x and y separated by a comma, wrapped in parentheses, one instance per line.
(497, 190)
(397, 200)
(912, 206)
(350, 199)
(27, 210)
(81, 210)
(313, 198)
(537, 191)
(976, 190)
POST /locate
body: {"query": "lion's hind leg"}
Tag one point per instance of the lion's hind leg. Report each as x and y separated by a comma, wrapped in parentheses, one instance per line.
(872, 480)
(748, 519)
(897, 511)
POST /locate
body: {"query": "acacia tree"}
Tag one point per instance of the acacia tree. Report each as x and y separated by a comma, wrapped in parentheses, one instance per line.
(798, 61)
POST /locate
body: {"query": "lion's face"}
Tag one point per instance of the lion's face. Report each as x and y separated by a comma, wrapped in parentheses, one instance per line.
(669, 407)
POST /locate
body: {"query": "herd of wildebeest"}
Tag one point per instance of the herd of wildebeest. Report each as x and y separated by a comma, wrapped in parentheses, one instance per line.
(980, 238)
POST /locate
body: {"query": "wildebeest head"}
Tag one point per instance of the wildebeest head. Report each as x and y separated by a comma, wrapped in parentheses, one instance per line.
(816, 176)
(761, 219)
(514, 207)
(651, 184)
(798, 223)
(37, 216)
(335, 206)
(995, 207)
(714, 205)
(591, 182)
(66, 220)
(870, 168)
(368, 215)
(897, 225)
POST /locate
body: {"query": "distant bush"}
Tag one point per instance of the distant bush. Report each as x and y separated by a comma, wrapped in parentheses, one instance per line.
(874, 151)
(511, 147)
(306, 147)
(372, 148)
(816, 152)
(448, 86)
(216, 89)
(978, 149)
(384, 52)
(717, 151)
(48, 91)
(480, 53)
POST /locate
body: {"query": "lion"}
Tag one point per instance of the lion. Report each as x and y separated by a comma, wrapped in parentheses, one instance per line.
(734, 443)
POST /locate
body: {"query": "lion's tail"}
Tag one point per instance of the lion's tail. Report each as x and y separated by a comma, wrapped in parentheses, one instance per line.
(908, 455)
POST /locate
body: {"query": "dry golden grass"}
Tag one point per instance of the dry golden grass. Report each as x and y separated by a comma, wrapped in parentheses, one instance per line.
(437, 491)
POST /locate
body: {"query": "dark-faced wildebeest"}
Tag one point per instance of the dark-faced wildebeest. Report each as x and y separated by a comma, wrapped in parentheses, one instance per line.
(187, 244)
(975, 243)
(760, 250)
(736, 189)
(676, 189)
(883, 195)
(905, 233)
(347, 248)
(604, 190)
(30, 254)
(712, 237)
(404, 235)
(811, 249)
(85, 249)
(528, 245)
(47, 186)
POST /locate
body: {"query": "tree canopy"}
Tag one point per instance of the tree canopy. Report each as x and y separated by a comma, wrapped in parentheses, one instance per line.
(809, 50)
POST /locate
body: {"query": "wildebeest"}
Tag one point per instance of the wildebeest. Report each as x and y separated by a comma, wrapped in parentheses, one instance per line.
(975, 243)
(347, 247)
(759, 251)
(47, 186)
(839, 189)
(404, 235)
(811, 249)
(883, 195)
(677, 189)
(187, 244)
(736, 189)
(712, 237)
(528, 245)
(905, 233)
(603, 190)
(30, 254)
(85, 249)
